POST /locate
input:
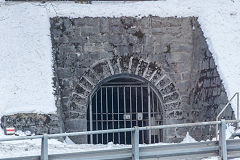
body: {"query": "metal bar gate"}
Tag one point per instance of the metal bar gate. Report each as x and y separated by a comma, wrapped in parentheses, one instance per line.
(124, 105)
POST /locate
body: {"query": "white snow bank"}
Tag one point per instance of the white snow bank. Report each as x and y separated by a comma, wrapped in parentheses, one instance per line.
(26, 49)
(26, 60)
(188, 139)
(33, 148)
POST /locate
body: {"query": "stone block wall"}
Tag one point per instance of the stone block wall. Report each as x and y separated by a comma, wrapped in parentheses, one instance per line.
(36, 123)
(176, 45)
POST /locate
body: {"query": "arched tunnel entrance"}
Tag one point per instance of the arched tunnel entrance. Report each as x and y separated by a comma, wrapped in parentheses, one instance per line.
(124, 101)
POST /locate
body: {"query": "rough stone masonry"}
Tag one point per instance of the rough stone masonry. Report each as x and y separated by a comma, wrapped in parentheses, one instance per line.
(88, 50)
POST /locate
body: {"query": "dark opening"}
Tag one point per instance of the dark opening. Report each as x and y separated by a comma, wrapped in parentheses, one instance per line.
(124, 103)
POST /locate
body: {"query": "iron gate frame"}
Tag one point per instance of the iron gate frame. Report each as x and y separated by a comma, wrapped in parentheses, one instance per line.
(142, 82)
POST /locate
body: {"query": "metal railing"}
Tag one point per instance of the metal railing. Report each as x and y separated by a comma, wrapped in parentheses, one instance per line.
(225, 107)
(137, 152)
(87, 1)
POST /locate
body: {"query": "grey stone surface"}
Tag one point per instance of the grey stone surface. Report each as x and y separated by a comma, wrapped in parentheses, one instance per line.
(36, 123)
(191, 89)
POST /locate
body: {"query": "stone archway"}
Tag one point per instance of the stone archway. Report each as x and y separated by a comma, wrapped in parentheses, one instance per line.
(76, 115)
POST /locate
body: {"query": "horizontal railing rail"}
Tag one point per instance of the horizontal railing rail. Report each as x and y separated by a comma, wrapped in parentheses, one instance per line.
(148, 151)
(118, 130)
(89, 1)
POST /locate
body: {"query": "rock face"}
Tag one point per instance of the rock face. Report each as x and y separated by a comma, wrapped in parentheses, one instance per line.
(36, 123)
(171, 53)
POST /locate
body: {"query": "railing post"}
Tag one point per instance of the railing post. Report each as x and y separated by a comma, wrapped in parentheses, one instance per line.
(44, 147)
(222, 141)
(224, 108)
(135, 143)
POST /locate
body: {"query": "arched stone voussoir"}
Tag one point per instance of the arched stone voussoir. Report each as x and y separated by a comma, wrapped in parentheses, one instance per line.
(124, 64)
(102, 69)
(162, 82)
(91, 77)
(85, 84)
(151, 71)
(142, 68)
(134, 65)
(148, 70)
(114, 65)
(170, 88)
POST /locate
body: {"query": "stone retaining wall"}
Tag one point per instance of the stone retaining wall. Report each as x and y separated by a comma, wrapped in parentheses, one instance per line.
(36, 123)
(171, 53)
(101, 46)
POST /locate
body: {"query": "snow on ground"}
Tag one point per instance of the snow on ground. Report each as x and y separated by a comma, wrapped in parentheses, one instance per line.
(22, 148)
(33, 147)
(188, 139)
(26, 61)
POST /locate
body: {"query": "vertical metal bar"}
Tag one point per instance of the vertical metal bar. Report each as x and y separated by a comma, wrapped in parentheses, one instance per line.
(136, 106)
(222, 140)
(96, 118)
(44, 147)
(142, 114)
(118, 113)
(135, 144)
(149, 114)
(101, 114)
(130, 99)
(91, 121)
(107, 111)
(153, 106)
(159, 131)
(124, 110)
(112, 116)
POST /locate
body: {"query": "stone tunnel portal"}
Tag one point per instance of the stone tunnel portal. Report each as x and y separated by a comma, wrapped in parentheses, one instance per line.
(124, 101)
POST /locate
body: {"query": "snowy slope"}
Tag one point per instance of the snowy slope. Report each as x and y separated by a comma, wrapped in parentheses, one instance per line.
(26, 47)
(26, 60)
